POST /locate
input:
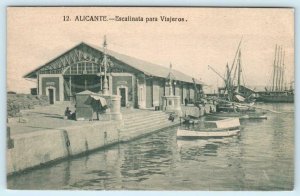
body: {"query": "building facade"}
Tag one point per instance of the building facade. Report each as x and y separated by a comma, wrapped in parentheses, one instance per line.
(140, 84)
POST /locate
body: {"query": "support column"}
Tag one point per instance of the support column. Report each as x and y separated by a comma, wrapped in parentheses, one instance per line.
(61, 88)
(70, 84)
(85, 84)
(110, 85)
(155, 90)
(40, 84)
(141, 85)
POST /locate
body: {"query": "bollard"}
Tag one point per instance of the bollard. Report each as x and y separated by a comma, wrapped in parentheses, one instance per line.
(9, 141)
(105, 138)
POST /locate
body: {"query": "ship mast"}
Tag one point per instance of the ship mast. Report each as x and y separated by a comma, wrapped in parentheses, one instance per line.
(229, 83)
(105, 84)
(279, 71)
(236, 53)
(282, 71)
(239, 72)
(274, 69)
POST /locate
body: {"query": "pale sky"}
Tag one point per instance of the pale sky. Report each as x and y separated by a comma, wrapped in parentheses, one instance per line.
(210, 36)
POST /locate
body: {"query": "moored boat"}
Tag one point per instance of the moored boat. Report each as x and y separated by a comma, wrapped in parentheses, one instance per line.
(278, 92)
(217, 132)
(189, 120)
(216, 128)
(234, 96)
(234, 107)
(241, 115)
(286, 96)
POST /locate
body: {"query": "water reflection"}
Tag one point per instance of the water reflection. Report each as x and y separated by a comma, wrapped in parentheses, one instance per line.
(192, 149)
(261, 158)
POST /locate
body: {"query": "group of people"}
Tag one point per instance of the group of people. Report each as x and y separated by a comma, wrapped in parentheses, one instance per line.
(69, 114)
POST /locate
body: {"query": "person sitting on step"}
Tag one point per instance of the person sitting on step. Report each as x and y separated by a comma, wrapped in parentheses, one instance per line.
(171, 117)
(68, 113)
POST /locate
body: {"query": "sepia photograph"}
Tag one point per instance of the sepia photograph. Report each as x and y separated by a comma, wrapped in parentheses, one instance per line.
(150, 98)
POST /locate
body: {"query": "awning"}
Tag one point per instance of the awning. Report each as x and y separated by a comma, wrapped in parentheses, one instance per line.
(99, 98)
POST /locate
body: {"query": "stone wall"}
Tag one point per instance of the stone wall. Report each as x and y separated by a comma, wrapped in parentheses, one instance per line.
(45, 146)
(18, 102)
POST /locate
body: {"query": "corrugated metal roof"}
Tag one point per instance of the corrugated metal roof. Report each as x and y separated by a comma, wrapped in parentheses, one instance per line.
(147, 68)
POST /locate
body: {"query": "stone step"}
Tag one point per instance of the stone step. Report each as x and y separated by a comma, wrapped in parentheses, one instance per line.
(145, 122)
(145, 126)
(137, 111)
(135, 133)
(138, 115)
(142, 119)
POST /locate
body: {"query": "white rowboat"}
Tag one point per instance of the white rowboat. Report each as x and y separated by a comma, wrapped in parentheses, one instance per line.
(208, 133)
(219, 128)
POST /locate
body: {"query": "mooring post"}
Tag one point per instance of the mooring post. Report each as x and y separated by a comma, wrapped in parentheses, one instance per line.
(9, 141)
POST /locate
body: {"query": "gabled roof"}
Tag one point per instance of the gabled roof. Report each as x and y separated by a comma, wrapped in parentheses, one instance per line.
(85, 92)
(147, 68)
(31, 74)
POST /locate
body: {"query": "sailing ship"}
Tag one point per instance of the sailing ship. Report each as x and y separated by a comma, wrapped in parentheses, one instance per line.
(278, 92)
(234, 96)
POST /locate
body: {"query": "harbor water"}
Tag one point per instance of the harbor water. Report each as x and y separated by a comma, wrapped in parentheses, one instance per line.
(260, 158)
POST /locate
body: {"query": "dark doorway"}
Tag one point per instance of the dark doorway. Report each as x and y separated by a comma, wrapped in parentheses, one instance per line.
(161, 94)
(123, 96)
(149, 94)
(51, 96)
(181, 94)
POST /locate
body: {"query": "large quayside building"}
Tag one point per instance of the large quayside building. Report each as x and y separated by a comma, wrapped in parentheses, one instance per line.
(139, 83)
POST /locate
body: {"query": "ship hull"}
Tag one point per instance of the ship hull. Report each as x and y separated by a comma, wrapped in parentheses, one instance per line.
(276, 98)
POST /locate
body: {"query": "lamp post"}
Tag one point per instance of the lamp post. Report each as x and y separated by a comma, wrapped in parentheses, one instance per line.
(172, 102)
(170, 79)
(105, 82)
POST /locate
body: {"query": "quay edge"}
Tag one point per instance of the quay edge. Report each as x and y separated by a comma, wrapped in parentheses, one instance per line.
(37, 149)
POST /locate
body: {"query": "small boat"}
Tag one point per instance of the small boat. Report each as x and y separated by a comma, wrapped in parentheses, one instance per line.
(230, 115)
(241, 115)
(234, 97)
(235, 107)
(217, 132)
(257, 115)
(189, 120)
(218, 128)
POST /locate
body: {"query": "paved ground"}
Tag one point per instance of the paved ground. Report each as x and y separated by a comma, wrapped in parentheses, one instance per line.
(40, 118)
(47, 117)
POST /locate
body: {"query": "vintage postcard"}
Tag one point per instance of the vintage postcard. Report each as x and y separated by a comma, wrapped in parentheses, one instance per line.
(150, 98)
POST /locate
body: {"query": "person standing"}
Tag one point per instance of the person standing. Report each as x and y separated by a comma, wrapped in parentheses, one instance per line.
(186, 101)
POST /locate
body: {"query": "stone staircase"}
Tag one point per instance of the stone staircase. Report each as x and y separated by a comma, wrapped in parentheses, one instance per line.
(144, 122)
